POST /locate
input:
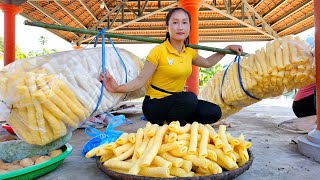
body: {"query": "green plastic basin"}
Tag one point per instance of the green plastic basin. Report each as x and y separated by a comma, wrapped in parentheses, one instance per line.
(38, 170)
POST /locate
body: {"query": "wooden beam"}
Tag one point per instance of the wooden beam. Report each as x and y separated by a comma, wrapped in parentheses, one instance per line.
(224, 19)
(201, 10)
(139, 7)
(135, 20)
(201, 40)
(249, 16)
(266, 25)
(115, 17)
(200, 28)
(162, 35)
(88, 9)
(227, 6)
(131, 11)
(242, 11)
(105, 6)
(292, 11)
(238, 20)
(49, 15)
(143, 8)
(257, 4)
(102, 19)
(143, 17)
(235, 8)
(122, 14)
(145, 23)
(70, 13)
(111, 12)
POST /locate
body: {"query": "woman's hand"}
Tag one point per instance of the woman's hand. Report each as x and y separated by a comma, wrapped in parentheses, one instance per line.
(109, 83)
(236, 48)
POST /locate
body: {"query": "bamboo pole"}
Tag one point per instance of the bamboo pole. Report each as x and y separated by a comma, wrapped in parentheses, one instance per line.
(123, 36)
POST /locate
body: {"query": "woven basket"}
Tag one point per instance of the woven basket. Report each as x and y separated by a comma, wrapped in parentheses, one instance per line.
(224, 175)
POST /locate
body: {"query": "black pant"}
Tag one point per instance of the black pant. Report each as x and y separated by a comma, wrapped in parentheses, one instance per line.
(304, 107)
(184, 107)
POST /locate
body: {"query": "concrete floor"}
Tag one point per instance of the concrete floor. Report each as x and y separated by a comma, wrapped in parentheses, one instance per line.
(276, 156)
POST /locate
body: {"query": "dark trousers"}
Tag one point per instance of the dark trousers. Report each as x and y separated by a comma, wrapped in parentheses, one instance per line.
(184, 107)
(304, 107)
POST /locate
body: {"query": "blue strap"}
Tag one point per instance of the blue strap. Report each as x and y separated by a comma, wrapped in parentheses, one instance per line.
(103, 66)
(122, 63)
(93, 132)
(223, 77)
(236, 59)
(102, 32)
(240, 80)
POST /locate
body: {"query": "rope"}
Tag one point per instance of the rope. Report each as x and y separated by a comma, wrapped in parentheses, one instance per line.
(236, 59)
(122, 63)
(240, 80)
(103, 67)
(102, 32)
(224, 75)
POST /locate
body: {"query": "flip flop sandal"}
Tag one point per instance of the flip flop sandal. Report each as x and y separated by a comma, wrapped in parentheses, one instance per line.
(301, 125)
(289, 126)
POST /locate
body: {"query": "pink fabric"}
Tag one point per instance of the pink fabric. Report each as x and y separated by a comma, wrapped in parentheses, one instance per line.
(305, 92)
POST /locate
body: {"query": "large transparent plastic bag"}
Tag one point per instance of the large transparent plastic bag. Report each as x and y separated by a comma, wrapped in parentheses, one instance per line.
(284, 64)
(44, 97)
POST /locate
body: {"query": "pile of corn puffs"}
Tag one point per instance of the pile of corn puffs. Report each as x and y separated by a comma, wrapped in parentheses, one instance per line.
(172, 150)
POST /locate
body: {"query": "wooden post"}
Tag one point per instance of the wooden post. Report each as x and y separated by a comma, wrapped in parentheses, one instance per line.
(193, 7)
(10, 12)
(317, 56)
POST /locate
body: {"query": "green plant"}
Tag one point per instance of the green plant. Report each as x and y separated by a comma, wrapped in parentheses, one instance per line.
(207, 73)
(43, 40)
(19, 53)
(41, 52)
(1, 44)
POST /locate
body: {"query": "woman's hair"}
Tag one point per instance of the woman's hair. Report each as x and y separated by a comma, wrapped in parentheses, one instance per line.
(186, 42)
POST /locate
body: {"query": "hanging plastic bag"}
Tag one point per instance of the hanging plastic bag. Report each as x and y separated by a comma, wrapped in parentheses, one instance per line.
(109, 135)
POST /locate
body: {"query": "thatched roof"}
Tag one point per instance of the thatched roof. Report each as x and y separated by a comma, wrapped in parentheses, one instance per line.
(219, 20)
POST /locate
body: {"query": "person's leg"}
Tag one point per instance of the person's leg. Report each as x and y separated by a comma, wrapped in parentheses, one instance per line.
(304, 107)
(155, 110)
(182, 106)
(206, 113)
(176, 107)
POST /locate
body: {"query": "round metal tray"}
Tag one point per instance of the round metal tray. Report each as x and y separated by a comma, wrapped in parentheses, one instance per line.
(224, 175)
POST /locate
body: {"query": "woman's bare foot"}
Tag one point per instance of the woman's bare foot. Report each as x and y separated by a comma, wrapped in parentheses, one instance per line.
(222, 122)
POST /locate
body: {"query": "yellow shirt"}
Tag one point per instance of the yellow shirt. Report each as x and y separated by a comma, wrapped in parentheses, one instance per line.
(172, 71)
